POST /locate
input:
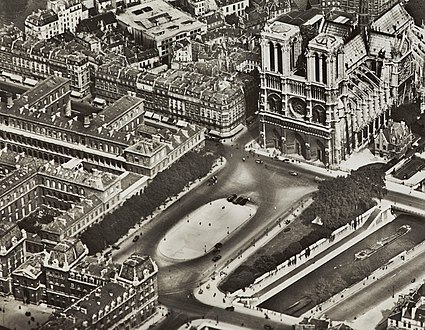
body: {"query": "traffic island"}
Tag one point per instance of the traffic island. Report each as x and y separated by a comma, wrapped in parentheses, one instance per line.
(198, 232)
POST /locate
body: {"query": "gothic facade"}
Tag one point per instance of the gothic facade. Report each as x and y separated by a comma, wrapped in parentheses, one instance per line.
(328, 84)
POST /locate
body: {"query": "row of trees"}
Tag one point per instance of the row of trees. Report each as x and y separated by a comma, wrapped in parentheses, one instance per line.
(340, 200)
(167, 183)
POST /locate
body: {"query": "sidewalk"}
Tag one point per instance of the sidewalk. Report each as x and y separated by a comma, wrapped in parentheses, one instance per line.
(208, 293)
(156, 318)
(254, 147)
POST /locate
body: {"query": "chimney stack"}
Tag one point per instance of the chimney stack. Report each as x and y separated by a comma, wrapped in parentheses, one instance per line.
(68, 108)
(86, 121)
(9, 100)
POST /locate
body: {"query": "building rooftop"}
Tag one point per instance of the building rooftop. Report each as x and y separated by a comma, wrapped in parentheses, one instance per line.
(118, 108)
(32, 268)
(64, 221)
(300, 17)
(91, 267)
(42, 17)
(393, 21)
(93, 24)
(354, 51)
(137, 268)
(66, 253)
(159, 20)
(40, 91)
(16, 177)
(9, 235)
(98, 180)
(99, 299)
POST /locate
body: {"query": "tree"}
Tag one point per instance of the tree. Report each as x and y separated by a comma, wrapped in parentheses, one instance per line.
(232, 19)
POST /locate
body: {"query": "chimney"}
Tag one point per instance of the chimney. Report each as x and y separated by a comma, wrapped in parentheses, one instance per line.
(86, 121)
(9, 100)
(68, 108)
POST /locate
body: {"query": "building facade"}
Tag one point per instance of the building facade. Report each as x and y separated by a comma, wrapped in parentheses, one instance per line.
(28, 280)
(212, 102)
(323, 102)
(125, 301)
(38, 59)
(41, 125)
(11, 253)
(59, 17)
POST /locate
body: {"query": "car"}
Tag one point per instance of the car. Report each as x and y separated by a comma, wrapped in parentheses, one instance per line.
(216, 258)
(268, 327)
(115, 247)
(216, 251)
(108, 254)
(244, 201)
(238, 200)
(136, 238)
(285, 160)
(293, 173)
(243, 159)
(230, 308)
(231, 197)
(218, 245)
(259, 161)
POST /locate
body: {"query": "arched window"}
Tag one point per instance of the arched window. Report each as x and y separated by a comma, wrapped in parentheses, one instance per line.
(279, 59)
(337, 66)
(271, 54)
(325, 69)
(292, 55)
(316, 67)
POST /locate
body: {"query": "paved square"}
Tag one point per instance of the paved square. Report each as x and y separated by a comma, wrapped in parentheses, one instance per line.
(198, 232)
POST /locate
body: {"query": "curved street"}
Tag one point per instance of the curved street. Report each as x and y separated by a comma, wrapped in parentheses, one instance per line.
(270, 187)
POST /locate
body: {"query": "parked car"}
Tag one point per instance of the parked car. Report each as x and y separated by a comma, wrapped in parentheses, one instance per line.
(216, 251)
(231, 197)
(268, 327)
(218, 245)
(293, 173)
(115, 247)
(259, 161)
(230, 308)
(286, 160)
(237, 200)
(244, 201)
(136, 238)
(216, 258)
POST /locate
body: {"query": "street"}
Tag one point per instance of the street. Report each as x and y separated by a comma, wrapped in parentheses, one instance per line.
(270, 187)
